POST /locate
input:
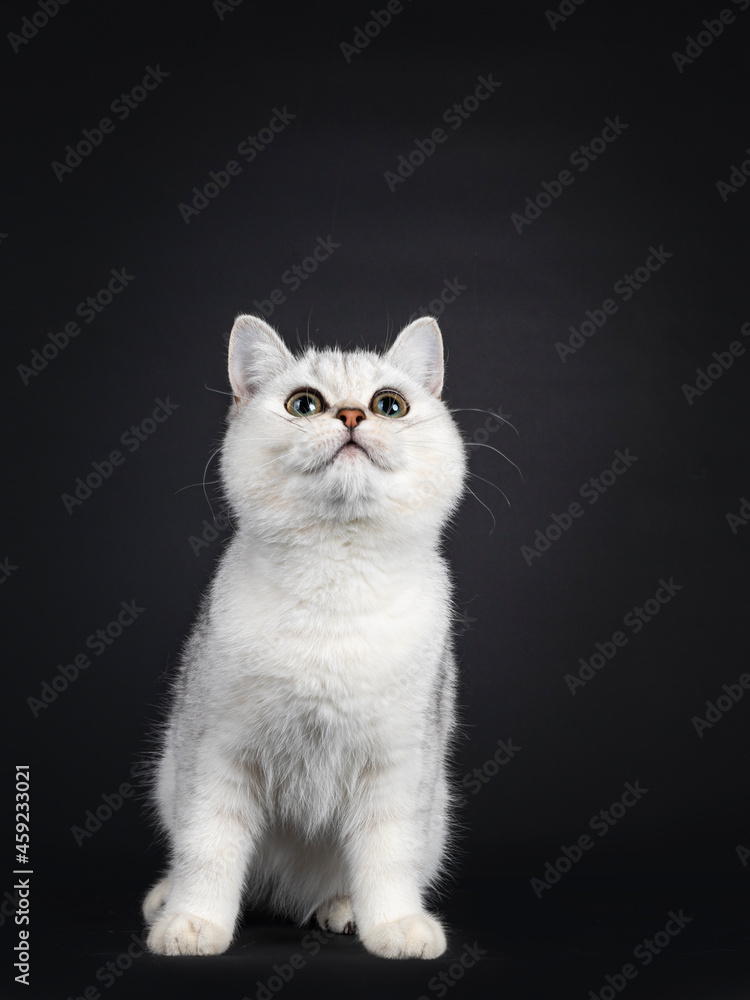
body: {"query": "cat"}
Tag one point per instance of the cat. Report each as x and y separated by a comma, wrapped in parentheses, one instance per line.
(305, 758)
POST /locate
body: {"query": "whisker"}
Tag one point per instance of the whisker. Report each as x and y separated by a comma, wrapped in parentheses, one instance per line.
(191, 485)
(288, 420)
(205, 491)
(494, 522)
(415, 423)
(388, 331)
(478, 444)
(425, 444)
(473, 409)
(277, 459)
(434, 447)
(221, 392)
(490, 483)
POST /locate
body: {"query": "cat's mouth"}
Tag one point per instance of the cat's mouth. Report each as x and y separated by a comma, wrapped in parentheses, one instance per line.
(349, 447)
(350, 451)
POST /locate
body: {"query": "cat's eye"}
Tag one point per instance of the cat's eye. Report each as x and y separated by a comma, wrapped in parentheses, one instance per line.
(389, 403)
(304, 403)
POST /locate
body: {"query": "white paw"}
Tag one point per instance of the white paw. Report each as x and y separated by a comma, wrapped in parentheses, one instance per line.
(337, 915)
(416, 936)
(155, 899)
(184, 934)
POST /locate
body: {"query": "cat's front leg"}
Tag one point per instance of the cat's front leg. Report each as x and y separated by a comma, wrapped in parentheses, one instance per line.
(384, 855)
(211, 849)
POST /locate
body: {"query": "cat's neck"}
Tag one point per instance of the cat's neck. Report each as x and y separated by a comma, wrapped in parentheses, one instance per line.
(363, 540)
(314, 569)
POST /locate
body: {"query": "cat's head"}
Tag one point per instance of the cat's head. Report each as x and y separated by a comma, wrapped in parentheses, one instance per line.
(335, 436)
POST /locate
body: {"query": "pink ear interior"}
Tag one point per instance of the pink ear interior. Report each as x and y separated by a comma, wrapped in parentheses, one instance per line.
(255, 351)
(418, 350)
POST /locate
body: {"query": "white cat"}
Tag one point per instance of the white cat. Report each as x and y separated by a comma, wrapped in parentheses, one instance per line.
(304, 761)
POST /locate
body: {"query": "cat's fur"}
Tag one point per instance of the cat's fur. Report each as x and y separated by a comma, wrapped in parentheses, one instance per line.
(304, 760)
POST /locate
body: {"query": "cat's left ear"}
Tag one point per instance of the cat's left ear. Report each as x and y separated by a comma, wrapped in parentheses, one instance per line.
(256, 352)
(418, 350)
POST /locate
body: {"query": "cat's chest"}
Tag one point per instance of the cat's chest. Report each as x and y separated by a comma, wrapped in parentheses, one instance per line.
(330, 612)
(334, 639)
(346, 646)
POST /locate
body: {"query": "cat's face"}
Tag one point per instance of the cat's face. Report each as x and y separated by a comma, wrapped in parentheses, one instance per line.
(336, 436)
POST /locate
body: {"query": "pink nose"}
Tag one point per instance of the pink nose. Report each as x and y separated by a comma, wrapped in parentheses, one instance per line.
(350, 418)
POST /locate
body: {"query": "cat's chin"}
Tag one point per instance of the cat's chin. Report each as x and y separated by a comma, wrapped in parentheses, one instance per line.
(350, 483)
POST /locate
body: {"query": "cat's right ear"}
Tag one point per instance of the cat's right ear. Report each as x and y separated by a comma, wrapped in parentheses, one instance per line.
(256, 352)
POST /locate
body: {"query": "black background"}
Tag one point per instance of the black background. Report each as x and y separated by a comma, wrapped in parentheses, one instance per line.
(526, 626)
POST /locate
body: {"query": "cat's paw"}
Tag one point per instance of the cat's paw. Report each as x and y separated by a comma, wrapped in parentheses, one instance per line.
(184, 934)
(417, 936)
(155, 899)
(337, 915)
